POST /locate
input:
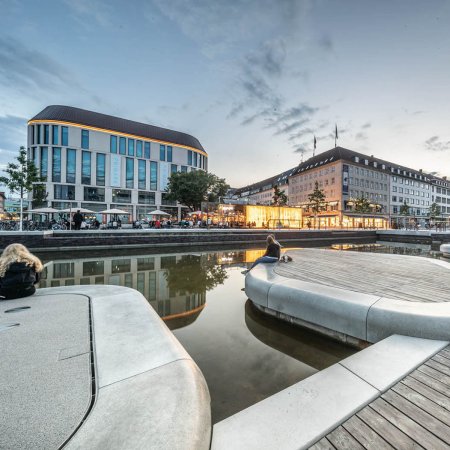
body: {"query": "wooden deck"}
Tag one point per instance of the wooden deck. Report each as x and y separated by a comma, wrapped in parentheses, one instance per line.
(392, 276)
(414, 413)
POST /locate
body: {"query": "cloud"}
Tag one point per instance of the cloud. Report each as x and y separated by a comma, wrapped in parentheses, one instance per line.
(366, 125)
(326, 43)
(361, 136)
(85, 11)
(433, 144)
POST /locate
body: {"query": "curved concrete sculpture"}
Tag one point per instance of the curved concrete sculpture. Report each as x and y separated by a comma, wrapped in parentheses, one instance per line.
(445, 249)
(143, 389)
(353, 317)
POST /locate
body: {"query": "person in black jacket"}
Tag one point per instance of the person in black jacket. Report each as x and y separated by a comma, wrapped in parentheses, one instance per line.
(19, 272)
(77, 219)
(272, 254)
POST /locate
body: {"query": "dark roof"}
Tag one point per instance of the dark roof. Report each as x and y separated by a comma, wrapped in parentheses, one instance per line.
(277, 180)
(98, 120)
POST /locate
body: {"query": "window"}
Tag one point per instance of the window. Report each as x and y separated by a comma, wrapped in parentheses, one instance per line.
(162, 152)
(33, 140)
(44, 162)
(120, 265)
(195, 161)
(130, 172)
(46, 134)
(56, 165)
(394, 198)
(64, 136)
(169, 153)
(85, 139)
(122, 146)
(121, 196)
(189, 157)
(71, 164)
(183, 169)
(130, 147)
(165, 201)
(153, 175)
(38, 134)
(173, 168)
(139, 149)
(142, 175)
(101, 158)
(86, 168)
(113, 144)
(64, 192)
(147, 198)
(92, 194)
(55, 134)
(147, 150)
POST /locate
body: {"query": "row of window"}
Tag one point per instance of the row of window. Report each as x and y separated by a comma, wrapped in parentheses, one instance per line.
(410, 182)
(366, 172)
(93, 194)
(86, 167)
(401, 190)
(410, 201)
(417, 212)
(442, 200)
(375, 196)
(368, 184)
(40, 134)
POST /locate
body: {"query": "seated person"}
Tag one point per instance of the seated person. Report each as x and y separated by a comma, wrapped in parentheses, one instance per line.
(272, 254)
(19, 272)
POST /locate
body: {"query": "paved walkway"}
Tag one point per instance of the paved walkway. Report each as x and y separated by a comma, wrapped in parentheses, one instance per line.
(393, 276)
(414, 413)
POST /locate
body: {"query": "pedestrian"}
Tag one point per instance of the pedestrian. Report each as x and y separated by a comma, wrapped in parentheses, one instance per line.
(19, 272)
(77, 219)
(272, 254)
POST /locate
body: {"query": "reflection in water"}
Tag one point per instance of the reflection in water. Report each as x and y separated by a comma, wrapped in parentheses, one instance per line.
(302, 344)
(396, 248)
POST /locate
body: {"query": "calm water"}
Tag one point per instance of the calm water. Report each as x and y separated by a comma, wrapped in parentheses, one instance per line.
(244, 355)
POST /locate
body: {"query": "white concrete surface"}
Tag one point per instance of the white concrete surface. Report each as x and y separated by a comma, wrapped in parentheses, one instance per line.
(302, 414)
(150, 394)
(350, 313)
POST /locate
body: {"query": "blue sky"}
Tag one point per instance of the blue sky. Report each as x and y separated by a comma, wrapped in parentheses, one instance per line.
(253, 80)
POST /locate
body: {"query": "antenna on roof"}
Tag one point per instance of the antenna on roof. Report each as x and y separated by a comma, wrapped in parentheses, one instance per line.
(315, 144)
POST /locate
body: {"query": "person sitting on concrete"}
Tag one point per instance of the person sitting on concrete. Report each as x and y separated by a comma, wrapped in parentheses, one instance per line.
(272, 254)
(19, 272)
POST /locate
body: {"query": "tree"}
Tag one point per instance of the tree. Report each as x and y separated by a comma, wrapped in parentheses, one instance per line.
(404, 209)
(39, 195)
(193, 188)
(20, 177)
(435, 211)
(362, 205)
(279, 197)
(316, 199)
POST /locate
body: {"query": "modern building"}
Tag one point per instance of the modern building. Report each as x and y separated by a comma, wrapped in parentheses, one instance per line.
(96, 161)
(441, 196)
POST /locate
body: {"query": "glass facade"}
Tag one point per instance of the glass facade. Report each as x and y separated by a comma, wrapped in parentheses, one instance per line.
(85, 139)
(121, 196)
(166, 201)
(64, 136)
(122, 146)
(147, 150)
(169, 153)
(130, 173)
(56, 165)
(195, 159)
(33, 140)
(71, 165)
(86, 168)
(139, 149)
(130, 147)
(100, 172)
(153, 176)
(113, 144)
(162, 152)
(189, 153)
(92, 194)
(64, 192)
(38, 134)
(146, 198)
(44, 162)
(183, 169)
(46, 134)
(173, 168)
(55, 134)
(142, 174)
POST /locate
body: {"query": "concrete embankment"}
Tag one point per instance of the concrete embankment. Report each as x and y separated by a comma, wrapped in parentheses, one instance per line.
(48, 241)
(433, 238)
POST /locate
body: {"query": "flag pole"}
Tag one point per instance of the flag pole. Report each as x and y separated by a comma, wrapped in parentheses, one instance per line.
(335, 135)
(315, 143)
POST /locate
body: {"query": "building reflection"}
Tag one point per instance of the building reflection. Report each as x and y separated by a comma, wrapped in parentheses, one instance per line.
(174, 284)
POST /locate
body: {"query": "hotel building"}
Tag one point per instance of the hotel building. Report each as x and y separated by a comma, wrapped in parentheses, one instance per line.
(96, 161)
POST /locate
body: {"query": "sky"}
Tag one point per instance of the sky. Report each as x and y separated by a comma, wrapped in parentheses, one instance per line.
(253, 80)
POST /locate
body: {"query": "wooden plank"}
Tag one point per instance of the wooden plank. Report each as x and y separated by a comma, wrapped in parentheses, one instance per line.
(433, 373)
(365, 435)
(441, 358)
(445, 352)
(390, 433)
(423, 403)
(437, 385)
(323, 444)
(428, 392)
(342, 440)
(419, 416)
(408, 426)
(438, 366)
